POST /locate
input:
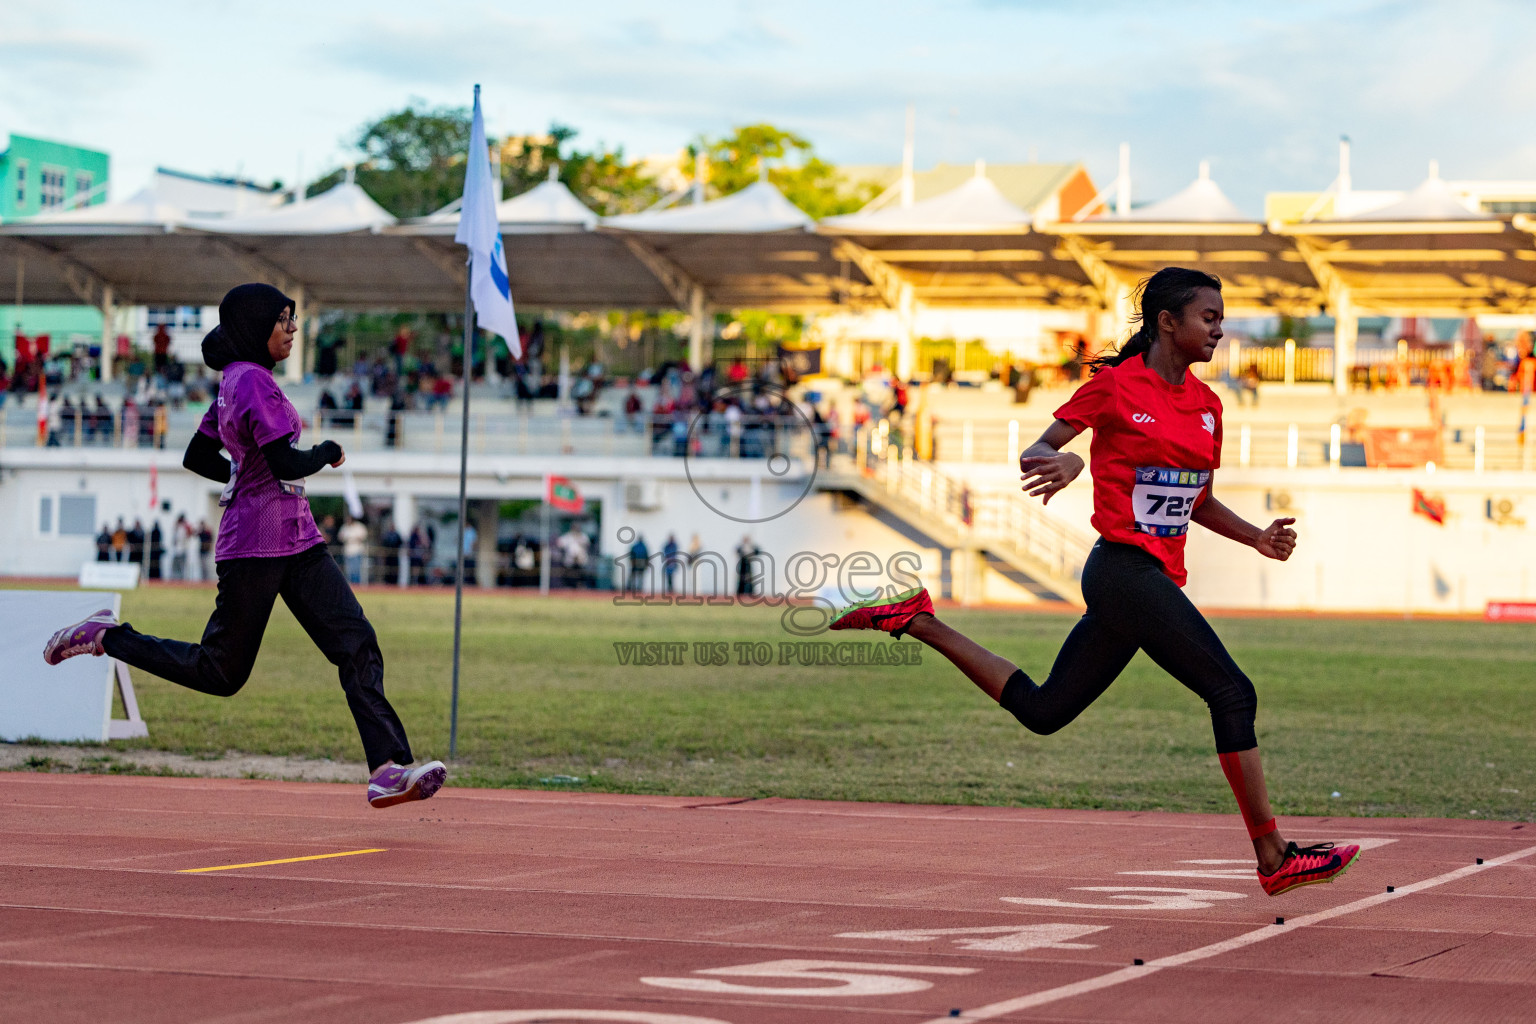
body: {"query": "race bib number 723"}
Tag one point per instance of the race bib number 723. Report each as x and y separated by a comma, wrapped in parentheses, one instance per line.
(1164, 499)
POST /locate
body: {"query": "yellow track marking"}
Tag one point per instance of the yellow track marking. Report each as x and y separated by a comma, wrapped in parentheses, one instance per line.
(285, 860)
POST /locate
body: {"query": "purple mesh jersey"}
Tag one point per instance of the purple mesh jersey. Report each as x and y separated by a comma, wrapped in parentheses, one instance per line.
(263, 517)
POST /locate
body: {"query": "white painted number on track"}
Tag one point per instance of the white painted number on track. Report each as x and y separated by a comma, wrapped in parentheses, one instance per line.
(1135, 897)
(1003, 938)
(855, 978)
(571, 1016)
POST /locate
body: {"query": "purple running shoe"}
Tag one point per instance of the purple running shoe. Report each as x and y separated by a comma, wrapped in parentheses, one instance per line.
(392, 784)
(84, 637)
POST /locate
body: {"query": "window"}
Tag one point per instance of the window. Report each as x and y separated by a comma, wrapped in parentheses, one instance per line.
(190, 318)
(77, 515)
(162, 315)
(21, 182)
(84, 182)
(45, 514)
(51, 187)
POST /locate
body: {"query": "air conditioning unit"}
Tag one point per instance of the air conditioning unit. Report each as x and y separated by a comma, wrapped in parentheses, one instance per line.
(642, 495)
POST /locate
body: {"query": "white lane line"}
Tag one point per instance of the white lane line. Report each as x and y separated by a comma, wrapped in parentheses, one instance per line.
(1136, 973)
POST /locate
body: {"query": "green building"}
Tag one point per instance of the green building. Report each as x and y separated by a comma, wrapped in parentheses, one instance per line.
(38, 176)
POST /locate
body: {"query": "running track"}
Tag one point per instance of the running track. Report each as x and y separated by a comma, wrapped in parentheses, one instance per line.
(498, 907)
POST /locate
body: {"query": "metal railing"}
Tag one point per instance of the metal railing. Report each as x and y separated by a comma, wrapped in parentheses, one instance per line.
(438, 432)
(1263, 445)
(981, 518)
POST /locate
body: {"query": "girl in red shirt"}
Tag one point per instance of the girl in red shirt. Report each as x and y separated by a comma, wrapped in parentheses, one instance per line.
(1156, 444)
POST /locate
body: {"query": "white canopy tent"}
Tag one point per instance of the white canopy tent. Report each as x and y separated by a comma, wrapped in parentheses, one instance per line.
(976, 207)
(752, 249)
(143, 210)
(1199, 227)
(1201, 202)
(968, 246)
(1426, 253)
(757, 209)
(555, 257)
(340, 210)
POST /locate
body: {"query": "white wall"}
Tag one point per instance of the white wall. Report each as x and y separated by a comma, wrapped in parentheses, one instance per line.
(1360, 546)
(118, 480)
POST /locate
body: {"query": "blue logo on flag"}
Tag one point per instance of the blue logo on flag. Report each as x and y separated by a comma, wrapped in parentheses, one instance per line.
(499, 270)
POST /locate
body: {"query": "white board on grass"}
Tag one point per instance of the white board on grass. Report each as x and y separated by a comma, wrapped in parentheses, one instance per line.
(60, 703)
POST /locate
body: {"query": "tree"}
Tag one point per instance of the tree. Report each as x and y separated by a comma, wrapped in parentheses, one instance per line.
(793, 167)
(603, 179)
(413, 160)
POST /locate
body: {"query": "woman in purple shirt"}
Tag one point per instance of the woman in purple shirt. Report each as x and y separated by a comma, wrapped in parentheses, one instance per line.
(268, 547)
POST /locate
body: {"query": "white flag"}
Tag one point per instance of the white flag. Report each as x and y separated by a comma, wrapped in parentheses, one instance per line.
(478, 230)
(349, 493)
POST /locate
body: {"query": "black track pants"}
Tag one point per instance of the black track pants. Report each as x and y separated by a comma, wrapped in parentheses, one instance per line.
(314, 589)
(1132, 606)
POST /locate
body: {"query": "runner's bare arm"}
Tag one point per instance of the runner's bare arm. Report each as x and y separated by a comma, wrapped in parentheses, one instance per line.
(1044, 467)
(1276, 541)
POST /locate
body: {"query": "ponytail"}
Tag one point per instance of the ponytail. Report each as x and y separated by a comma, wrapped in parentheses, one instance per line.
(1170, 289)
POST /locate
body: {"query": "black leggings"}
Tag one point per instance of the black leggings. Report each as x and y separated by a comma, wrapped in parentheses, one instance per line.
(1133, 606)
(317, 593)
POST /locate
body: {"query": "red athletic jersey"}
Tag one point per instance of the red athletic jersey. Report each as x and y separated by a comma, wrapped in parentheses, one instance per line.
(1154, 448)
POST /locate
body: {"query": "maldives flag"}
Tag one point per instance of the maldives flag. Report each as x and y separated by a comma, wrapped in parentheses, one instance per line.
(563, 495)
(1429, 508)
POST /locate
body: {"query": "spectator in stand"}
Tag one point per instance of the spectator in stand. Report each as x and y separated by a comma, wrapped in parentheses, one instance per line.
(397, 405)
(156, 551)
(103, 425)
(400, 346)
(632, 407)
(327, 408)
(1250, 385)
(120, 542)
(746, 574)
(328, 530)
(1488, 365)
(204, 550)
(572, 551)
(354, 402)
(136, 542)
(737, 372)
(391, 542)
(442, 391)
(669, 561)
(104, 544)
(823, 431)
(420, 553)
(354, 550)
(639, 556)
(5, 383)
(162, 344)
(182, 536)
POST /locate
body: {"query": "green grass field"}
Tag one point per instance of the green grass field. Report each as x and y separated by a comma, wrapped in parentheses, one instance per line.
(1414, 718)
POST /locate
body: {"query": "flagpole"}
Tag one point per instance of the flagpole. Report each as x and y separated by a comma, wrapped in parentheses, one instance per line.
(458, 581)
(458, 584)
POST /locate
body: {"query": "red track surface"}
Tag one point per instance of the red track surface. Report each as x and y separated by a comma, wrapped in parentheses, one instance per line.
(646, 910)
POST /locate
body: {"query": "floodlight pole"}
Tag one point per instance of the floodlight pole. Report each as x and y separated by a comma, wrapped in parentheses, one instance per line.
(458, 584)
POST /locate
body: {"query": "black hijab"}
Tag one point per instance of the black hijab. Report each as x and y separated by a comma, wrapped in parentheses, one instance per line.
(246, 318)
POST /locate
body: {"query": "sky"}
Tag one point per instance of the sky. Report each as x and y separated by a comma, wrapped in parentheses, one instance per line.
(1262, 90)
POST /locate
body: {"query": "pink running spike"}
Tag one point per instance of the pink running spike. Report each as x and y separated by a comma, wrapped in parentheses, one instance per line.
(1309, 865)
(890, 614)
